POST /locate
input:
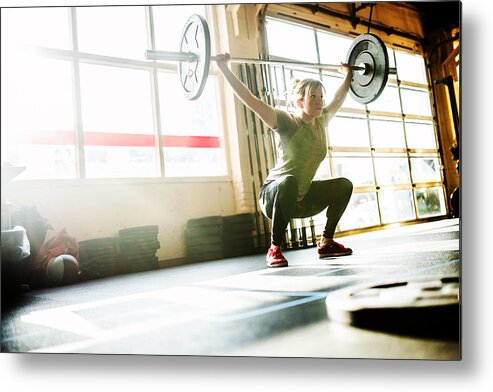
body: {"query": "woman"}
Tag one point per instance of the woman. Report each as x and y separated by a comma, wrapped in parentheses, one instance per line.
(289, 190)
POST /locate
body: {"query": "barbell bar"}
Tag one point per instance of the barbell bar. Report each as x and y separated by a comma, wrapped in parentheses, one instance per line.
(367, 55)
(191, 57)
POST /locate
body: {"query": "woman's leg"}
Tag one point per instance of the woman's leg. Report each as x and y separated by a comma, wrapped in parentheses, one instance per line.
(278, 202)
(334, 194)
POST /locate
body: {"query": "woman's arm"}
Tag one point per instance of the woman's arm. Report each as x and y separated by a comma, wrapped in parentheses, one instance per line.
(266, 112)
(341, 93)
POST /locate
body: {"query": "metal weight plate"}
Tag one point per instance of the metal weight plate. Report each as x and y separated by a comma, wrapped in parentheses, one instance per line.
(427, 305)
(368, 49)
(195, 39)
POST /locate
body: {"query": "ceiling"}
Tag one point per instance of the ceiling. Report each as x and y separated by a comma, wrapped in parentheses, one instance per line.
(436, 15)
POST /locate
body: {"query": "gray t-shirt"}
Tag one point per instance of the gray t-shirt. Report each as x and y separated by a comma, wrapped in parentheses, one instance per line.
(301, 148)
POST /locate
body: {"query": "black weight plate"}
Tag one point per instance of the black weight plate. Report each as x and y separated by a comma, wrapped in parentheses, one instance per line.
(139, 230)
(368, 49)
(97, 249)
(214, 220)
(140, 244)
(92, 255)
(139, 260)
(137, 238)
(195, 39)
(209, 232)
(137, 255)
(202, 240)
(239, 218)
(419, 305)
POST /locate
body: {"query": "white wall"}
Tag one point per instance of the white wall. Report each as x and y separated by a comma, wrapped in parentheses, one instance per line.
(95, 209)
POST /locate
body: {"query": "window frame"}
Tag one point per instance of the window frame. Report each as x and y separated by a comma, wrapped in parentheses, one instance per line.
(75, 58)
(364, 112)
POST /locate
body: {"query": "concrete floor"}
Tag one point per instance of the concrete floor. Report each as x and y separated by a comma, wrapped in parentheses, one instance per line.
(237, 307)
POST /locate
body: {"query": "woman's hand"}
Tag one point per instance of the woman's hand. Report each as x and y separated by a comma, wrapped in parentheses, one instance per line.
(222, 60)
(344, 69)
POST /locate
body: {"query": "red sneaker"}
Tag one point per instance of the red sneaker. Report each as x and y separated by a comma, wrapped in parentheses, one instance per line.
(275, 258)
(333, 249)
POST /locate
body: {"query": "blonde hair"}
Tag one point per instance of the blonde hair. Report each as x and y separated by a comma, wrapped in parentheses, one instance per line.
(302, 87)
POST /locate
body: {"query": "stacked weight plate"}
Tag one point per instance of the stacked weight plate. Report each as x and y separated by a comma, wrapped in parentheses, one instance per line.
(237, 235)
(98, 258)
(137, 248)
(203, 239)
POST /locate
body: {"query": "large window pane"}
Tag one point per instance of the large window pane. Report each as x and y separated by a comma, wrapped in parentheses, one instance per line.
(411, 67)
(191, 130)
(169, 21)
(420, 135)
(362, 211)
(116, 99)
(425, 169)
(391, 170)
(387, 134)
(396, 206)
(117, 120)
(45, 27)
(430, 201)
(416, 102)
(37, 117)
(348, 132)
(388, 101)
(181, 116)
(333, 48)
(291, 41)
(118, 31)
(358, 169)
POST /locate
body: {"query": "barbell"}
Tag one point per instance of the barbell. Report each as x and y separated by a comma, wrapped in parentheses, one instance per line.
(367, 56)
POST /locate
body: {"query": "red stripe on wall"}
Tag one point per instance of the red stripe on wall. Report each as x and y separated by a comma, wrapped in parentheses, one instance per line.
(191, 141)
(120, 139)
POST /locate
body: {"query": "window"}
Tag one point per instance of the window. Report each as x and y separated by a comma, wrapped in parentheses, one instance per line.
(38, 117)
(387, 148)
(191, 142)
(292, 41)
(387, 133)
(118, 129)
(79, 99)
(125, 36)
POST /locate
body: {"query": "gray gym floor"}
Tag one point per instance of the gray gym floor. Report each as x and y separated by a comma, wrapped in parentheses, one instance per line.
(237, 307)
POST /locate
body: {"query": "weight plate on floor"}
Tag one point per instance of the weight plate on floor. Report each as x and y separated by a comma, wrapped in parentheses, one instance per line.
(368, 49)
(195, 39)
(205, 222)
(421, 305)
(139, 243)
(139, 230)
(239, 218)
